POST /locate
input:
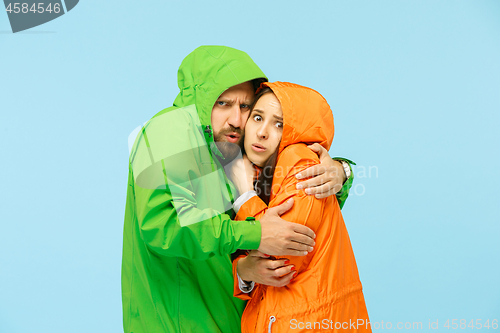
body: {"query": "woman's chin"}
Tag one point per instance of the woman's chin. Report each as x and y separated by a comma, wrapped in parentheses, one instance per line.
(254, 160)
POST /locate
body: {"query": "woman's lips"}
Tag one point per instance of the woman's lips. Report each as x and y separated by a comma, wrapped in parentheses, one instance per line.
(258, 148)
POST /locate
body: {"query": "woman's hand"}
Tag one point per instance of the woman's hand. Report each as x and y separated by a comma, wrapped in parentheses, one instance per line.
(241, 172)
(261, 268)
(327, 177)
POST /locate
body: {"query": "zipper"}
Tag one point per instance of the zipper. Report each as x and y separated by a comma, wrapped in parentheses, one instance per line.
(272, 319)
(208, 134)
(208, 131)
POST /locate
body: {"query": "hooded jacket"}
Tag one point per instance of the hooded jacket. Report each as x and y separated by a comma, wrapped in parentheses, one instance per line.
(326, 293)
(178, 234)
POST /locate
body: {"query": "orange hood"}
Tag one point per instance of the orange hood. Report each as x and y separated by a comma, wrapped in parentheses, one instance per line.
(326, 285)
(307, 117)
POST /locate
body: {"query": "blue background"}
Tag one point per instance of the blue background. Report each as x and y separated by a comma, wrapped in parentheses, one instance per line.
(415, 91)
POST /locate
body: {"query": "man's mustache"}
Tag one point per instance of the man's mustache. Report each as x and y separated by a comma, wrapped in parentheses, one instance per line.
(231, 129)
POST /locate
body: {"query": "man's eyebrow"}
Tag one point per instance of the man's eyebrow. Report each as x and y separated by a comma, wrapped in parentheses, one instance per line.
(232, 100)
(225, 99)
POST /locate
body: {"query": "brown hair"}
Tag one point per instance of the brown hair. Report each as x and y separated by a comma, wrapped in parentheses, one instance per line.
(264, 182)
(263, 185)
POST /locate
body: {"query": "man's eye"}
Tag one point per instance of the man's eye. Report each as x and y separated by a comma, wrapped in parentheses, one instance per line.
(221, 103)
(244, 106)
(257, 118)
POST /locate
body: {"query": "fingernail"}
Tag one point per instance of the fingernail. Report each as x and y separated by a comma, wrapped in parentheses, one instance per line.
(311, 249)
(306, 253)
(267, 255)
(298, 176)
(308, 191)
(294, 274)
(293, 268)
(299, 186)
(287, 262)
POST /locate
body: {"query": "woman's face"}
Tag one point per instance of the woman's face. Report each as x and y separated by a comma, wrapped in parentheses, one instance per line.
(264, 129)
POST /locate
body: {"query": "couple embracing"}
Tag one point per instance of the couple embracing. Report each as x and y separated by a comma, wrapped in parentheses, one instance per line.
(238, 166)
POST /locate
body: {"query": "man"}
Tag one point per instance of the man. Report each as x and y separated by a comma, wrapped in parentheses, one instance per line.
(178, 234)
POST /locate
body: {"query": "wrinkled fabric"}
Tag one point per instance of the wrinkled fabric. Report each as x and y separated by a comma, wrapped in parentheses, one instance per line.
(327, 292)
(178, 234)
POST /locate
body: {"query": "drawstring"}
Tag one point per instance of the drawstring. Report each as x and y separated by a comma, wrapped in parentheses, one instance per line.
(272, 319)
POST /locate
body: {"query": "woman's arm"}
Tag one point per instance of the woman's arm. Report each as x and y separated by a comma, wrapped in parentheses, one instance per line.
(306, 209)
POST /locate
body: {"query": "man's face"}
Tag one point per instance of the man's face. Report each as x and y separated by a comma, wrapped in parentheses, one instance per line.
(229, 116)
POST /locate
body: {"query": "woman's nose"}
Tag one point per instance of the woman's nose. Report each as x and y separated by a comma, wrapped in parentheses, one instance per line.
(262, 133)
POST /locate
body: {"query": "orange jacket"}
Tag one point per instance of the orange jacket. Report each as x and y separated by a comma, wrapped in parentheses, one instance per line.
(326, 294)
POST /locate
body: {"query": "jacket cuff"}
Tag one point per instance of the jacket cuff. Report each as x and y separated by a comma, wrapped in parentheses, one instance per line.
(252, 207)
(247, 234)
(344, 191)
(242, 199)
(236, 288)
(245, 287)
(345, 160)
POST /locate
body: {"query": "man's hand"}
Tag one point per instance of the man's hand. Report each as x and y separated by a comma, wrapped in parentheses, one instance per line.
(259, 268)
(282, 238)
(328, 176)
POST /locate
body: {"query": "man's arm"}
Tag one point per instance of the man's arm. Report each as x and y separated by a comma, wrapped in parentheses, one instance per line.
(210, 233)
(328, 177)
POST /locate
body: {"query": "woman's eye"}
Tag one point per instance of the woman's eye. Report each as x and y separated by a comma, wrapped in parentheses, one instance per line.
(257, 118)
(279, 125)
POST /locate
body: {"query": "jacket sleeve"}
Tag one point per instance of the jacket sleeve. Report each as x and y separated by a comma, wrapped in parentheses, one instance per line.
(176, 206)
(307, 210)
(344, 191)
(210, 233)
(237, 292)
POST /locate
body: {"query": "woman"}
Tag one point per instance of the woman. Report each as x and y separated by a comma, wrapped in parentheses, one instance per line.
(326, 292)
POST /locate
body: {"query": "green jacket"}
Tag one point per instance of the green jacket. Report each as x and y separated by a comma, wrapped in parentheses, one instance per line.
(178, 232)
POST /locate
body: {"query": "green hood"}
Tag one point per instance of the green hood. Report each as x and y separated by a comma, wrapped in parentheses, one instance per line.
(178, 235)
(207, 72)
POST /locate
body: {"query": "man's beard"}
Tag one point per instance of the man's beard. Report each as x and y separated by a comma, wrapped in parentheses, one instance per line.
(228, 149)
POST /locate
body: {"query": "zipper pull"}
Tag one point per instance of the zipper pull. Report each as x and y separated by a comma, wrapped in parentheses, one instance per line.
(272, 319)
(208, 131)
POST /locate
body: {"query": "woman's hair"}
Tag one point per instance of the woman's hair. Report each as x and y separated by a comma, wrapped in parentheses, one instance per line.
(257, 82)
(264, 183)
